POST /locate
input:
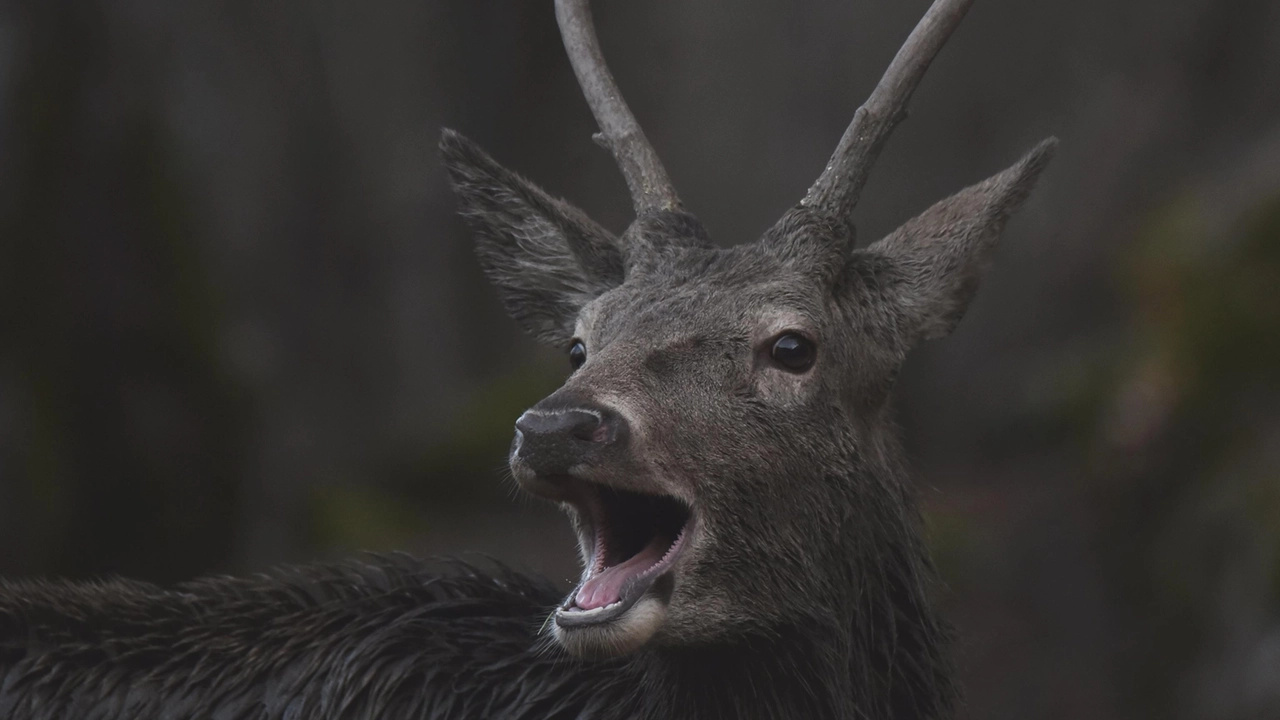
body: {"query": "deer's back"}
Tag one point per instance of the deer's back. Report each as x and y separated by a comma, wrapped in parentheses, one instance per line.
(391, 638)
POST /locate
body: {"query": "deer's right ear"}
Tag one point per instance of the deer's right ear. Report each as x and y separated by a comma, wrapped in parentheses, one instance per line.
(547, 258)
(928, 270)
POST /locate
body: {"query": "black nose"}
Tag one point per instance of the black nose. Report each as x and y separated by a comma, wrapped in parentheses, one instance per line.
(551, 442)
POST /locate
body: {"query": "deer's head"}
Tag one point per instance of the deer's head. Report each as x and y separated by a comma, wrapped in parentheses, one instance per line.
(721, 445)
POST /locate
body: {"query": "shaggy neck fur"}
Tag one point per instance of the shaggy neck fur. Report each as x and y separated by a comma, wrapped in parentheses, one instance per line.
(393, 637)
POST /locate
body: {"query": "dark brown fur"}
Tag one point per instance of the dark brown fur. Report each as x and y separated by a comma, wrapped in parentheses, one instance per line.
(802, 591)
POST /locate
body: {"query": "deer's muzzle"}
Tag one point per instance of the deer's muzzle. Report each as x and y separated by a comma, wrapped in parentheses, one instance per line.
(559, 442)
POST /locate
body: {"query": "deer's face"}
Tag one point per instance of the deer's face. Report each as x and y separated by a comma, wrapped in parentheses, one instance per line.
(707, 444)
(700, 446)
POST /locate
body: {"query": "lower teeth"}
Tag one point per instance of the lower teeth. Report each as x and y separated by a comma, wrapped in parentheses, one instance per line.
(594, 611)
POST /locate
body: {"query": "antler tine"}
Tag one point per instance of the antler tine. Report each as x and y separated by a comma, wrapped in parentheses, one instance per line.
(651, 189)
(838, 188)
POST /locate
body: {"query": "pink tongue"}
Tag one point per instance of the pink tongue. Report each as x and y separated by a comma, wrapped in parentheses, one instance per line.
(606, 587)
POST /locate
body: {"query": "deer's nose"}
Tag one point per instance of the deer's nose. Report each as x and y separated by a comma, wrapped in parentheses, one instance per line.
(551, 442)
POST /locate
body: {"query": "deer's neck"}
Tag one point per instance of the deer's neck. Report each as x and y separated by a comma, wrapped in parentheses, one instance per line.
(782, 676)
(898, 649)
(871, 648)
(792, 674)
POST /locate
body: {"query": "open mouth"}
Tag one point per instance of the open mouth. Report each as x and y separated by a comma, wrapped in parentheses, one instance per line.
(630, 540)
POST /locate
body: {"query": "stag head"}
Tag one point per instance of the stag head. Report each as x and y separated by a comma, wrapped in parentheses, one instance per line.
(722, 445)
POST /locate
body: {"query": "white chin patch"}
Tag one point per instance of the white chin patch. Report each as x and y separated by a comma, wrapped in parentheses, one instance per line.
(625, 635)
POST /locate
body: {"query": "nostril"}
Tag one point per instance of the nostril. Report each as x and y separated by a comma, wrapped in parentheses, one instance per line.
(603, 433)
(584, 425)
(588, 427)
(552, 443)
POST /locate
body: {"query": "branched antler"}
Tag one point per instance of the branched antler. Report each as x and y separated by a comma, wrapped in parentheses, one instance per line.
(838, 188)
(651, 189)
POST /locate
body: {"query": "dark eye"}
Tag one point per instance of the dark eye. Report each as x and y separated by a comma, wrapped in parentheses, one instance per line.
(793, 352)
(577, 354)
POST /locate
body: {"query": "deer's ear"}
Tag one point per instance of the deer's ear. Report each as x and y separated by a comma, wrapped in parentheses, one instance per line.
(547, 258)
(929, 269)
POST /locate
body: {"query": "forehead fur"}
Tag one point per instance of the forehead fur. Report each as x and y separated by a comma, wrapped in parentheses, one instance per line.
(711, 292)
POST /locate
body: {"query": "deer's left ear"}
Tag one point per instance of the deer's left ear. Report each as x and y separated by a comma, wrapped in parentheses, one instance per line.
(929, 269)
(546, 257)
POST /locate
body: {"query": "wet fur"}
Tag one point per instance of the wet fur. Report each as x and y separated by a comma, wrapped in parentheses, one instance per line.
(388, 637)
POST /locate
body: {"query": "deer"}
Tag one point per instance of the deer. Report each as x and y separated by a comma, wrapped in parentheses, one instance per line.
(723, 447)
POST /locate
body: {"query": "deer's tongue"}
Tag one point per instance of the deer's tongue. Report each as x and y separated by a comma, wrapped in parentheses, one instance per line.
(605, 587)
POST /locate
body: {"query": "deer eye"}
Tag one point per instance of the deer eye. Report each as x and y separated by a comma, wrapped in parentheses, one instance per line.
(577, 354)
(793, 352)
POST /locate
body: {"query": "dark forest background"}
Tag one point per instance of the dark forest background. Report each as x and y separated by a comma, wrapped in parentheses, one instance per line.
(240, 325)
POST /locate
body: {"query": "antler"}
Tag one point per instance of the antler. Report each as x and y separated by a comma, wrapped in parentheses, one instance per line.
(838, 188)
(651, 189)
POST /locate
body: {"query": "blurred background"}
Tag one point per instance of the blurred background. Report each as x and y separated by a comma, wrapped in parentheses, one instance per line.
(240, 324)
